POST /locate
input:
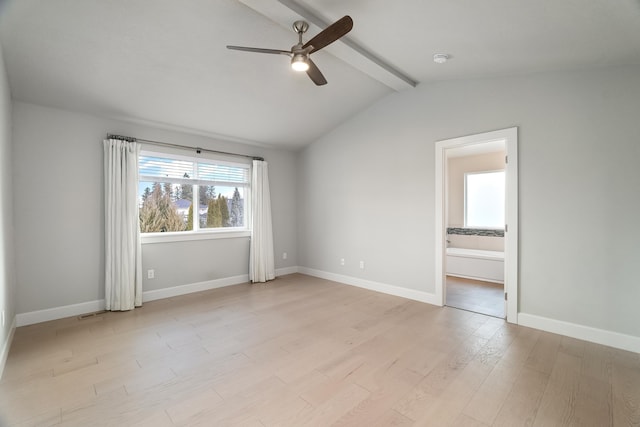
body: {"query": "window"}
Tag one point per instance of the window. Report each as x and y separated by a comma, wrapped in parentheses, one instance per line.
(484, 199)
(179, 194)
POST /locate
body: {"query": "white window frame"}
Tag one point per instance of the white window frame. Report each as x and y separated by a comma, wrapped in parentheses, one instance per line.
(466, 224)
(197, 233)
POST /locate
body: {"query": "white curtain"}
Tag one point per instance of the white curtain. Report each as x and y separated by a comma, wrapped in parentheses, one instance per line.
(261, 262)
(123, 265)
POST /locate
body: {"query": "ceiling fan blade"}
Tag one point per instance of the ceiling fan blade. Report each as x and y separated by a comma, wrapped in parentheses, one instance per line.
(330, 34)
(260, 50)
(314, 73)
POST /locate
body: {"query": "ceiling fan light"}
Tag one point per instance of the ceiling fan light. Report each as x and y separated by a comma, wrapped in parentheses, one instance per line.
(299, 63)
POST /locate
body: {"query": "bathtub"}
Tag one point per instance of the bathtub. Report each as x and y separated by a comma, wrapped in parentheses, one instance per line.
(475, 264)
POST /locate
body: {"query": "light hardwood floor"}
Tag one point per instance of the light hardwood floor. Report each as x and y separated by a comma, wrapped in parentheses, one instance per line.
(304, 351)
(475, 295)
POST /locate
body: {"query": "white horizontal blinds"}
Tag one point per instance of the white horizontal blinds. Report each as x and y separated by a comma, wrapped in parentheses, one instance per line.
(174, 169)
(166, 169)
(223, 173)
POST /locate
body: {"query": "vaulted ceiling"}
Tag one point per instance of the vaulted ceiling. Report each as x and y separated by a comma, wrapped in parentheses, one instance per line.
(164, 62)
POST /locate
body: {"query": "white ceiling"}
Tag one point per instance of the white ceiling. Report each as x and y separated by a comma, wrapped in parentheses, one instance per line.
(164, 62)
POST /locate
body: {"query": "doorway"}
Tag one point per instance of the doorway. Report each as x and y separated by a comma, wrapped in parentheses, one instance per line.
(493, 270)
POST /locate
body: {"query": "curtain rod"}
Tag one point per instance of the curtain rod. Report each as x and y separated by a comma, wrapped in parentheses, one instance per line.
(168, 144)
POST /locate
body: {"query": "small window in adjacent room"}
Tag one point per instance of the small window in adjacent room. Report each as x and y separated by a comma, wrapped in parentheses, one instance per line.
(181, 194)
(484, 194)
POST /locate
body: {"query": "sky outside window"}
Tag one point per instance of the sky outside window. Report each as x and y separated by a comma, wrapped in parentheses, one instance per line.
(485, 199)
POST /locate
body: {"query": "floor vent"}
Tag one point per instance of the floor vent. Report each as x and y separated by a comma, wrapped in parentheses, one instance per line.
(88, 315)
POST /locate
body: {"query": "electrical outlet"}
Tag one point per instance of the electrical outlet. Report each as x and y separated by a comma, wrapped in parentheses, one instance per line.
(151, 274)
(341, 261)
(362, 265)
(284, 255)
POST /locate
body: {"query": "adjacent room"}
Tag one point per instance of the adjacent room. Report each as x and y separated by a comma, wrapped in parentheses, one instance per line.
(475, 246)
(311, 212)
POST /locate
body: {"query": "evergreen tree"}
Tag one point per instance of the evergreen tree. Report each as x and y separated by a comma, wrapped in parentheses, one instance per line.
(223, 206)
(211, 192)
(156, 193)
(207, 192)
(189, 226)
(214, 218)
(186, 192)
(146, 194)
(168, 190)
(235, 215)
(158, 213)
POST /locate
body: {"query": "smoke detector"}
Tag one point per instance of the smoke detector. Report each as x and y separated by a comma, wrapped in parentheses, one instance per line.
(440, 58)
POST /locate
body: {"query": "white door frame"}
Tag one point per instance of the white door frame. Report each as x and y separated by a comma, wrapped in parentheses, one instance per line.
(510, 137)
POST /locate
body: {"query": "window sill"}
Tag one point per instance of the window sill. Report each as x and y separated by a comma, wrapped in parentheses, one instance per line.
(149, 238)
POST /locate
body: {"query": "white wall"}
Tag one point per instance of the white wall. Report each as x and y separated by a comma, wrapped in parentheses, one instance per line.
(7, 269)
(367, 189)
(59, 221)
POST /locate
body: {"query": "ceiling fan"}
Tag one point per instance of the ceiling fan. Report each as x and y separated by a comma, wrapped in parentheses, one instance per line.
(300, 53)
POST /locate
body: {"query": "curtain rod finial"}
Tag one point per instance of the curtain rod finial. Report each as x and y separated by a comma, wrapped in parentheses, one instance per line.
(121, 137)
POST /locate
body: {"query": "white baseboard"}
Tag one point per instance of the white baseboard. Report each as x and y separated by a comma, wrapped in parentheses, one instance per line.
(587, 333)
(175, 291)
(205, 286)
(39, 316)
(373, 286)
(286, 270)
(6, 345)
